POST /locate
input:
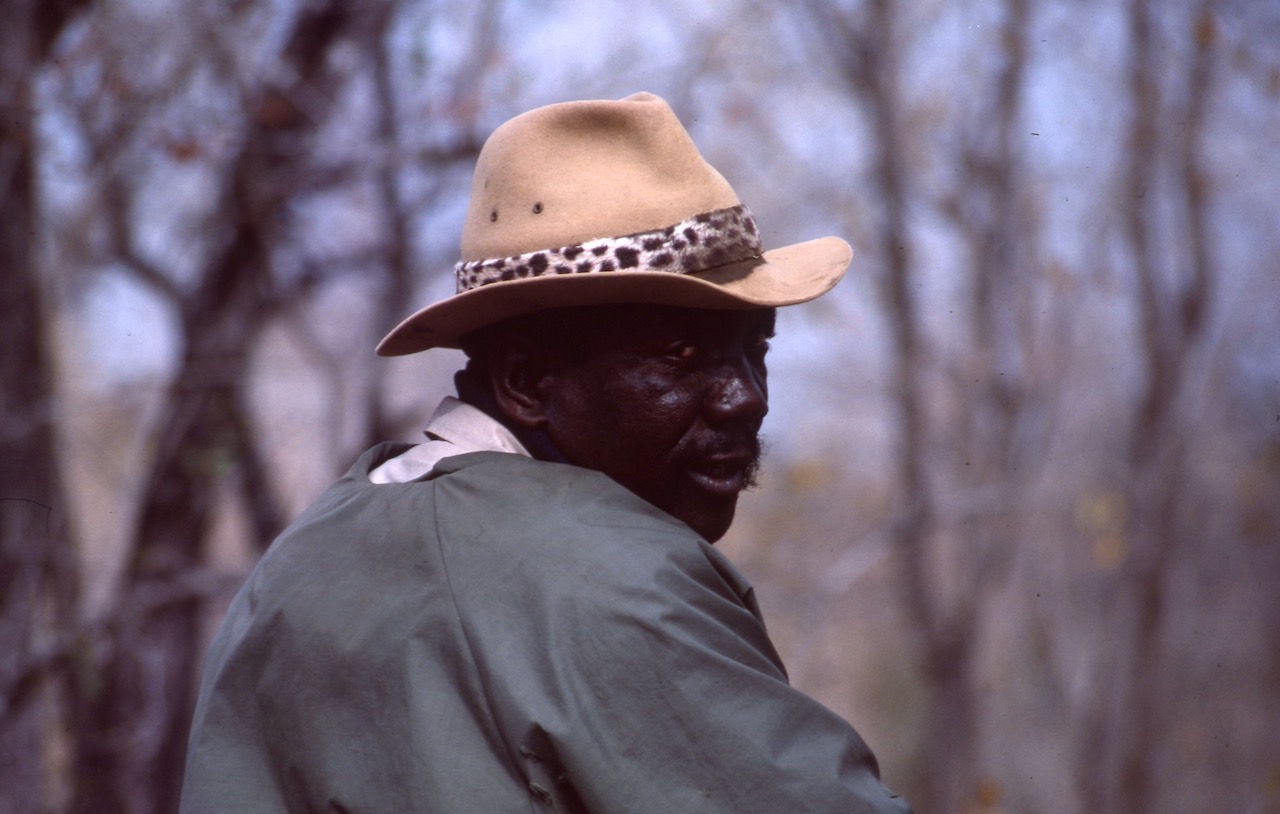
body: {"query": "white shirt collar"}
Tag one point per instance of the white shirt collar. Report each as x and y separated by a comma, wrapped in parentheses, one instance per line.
(455, 428)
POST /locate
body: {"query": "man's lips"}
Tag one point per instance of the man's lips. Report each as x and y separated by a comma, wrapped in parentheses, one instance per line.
(722, 474)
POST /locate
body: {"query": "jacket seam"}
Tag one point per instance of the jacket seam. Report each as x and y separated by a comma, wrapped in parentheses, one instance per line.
(513, 765)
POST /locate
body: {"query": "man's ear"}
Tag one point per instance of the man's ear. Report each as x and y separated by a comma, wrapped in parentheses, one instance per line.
(521, 378)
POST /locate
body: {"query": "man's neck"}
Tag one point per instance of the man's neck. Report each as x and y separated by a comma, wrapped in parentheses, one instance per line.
(478, 395)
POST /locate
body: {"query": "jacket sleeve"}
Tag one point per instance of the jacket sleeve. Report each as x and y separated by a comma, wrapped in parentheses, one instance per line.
(629, 671)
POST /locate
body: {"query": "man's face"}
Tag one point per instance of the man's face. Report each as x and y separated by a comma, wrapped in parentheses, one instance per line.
(668, 402)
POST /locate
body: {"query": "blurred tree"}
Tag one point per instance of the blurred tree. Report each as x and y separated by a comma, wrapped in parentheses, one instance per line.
(132, 699)
(139, 692)
(1174, 296)
(944, 604)
(131, 689)
(143, 689)
(38, 582)
(978, 381)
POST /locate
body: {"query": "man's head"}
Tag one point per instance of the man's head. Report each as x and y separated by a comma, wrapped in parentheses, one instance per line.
(614, 296)
(666, 401)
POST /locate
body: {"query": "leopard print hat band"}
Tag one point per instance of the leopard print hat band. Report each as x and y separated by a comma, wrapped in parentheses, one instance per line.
(703, 242)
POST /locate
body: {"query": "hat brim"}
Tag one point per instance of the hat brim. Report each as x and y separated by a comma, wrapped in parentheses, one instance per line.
(785, 276)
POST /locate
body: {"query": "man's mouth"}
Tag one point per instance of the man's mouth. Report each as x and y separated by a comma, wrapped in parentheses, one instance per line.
(725, 475)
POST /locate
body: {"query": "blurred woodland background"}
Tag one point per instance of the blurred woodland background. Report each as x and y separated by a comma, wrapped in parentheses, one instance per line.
(1021, 515)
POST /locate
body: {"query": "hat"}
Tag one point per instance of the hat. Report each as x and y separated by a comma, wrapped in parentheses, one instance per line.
(605, 202)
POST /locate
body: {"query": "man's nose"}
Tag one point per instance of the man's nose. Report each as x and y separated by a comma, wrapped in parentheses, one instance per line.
(740, 391)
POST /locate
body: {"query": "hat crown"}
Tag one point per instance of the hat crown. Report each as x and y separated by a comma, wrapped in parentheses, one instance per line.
(569, 173)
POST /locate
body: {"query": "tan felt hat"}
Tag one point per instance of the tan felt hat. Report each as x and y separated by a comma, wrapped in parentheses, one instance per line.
(600, 202)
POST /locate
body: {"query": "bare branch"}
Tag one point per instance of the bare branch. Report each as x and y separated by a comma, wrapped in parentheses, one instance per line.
(104, 634)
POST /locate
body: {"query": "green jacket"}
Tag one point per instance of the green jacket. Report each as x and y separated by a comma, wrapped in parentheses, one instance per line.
(506, 635)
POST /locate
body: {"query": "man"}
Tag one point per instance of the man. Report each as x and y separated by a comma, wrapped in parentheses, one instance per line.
(526, 611)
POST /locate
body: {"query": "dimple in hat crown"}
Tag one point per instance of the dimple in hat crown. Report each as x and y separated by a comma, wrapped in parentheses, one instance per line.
(596, 202)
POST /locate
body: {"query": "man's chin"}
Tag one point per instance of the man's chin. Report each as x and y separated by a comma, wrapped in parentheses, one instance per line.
(712, 521)
(713, 534)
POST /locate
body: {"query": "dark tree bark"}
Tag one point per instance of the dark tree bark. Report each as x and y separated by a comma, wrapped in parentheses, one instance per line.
(991, 399)
(132, 727)
(1126, 732)
(146, 688)
(1173, 323)
(38, 588)
(868, 62)
(397, 272)
(988, 214)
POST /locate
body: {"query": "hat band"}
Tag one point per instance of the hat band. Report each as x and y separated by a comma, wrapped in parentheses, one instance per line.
(696, 244)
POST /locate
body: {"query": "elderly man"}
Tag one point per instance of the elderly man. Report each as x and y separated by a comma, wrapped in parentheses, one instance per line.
(526, 611)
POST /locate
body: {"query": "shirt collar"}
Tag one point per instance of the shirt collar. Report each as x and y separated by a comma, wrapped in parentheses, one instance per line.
(455, 428)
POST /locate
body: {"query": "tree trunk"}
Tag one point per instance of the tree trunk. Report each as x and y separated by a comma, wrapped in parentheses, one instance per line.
(132, 731)
(37, 562)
